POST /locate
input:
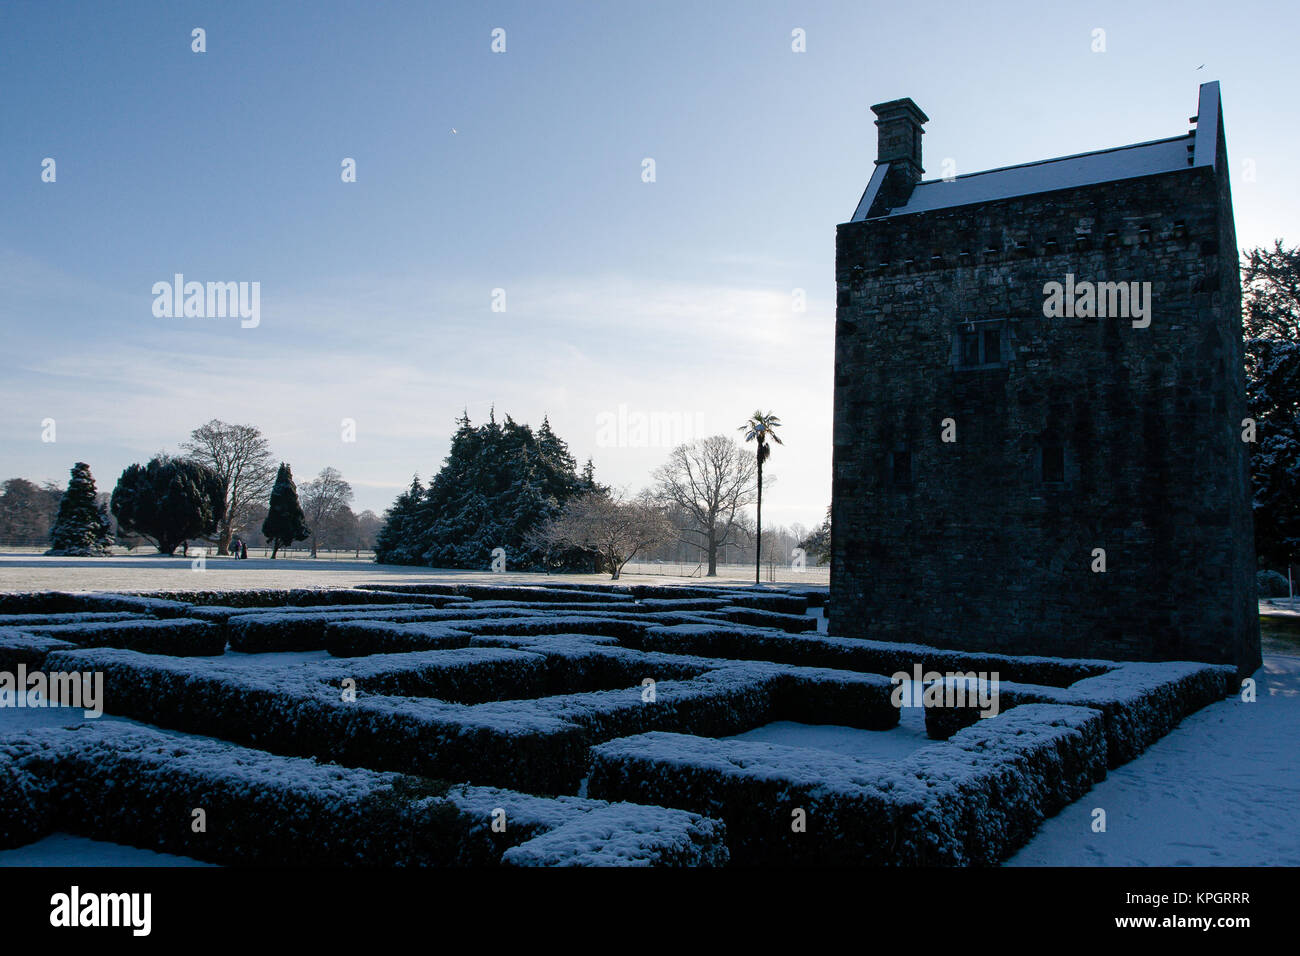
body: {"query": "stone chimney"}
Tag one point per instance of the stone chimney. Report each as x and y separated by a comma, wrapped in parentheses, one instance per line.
(899, 145)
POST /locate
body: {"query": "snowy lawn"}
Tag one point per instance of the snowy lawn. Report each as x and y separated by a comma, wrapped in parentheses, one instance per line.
(1220, 790)
(34, 572)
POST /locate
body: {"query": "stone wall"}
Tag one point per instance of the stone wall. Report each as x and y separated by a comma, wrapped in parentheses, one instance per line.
(979, 551)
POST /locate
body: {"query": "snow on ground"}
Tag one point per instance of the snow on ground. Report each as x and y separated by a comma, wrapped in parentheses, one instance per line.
(64, 849)
(893, 744)
(34, 714)
(21, 571)
(274, 658)
(1221, 790)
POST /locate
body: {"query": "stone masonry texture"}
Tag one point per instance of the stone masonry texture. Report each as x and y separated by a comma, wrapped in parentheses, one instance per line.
(977, 551)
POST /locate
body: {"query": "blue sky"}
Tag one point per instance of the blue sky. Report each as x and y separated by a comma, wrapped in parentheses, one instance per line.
(669, 299)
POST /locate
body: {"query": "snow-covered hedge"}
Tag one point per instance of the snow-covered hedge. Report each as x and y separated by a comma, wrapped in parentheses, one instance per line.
(290, 597)
(972, 800)
(990, 786)
(1140, 702)
(460, 676)
(877, 657)
(29, 650)
(59, 602)
(175, 636)
(793, 623)
(625, 628)
(503, 592)
(25, 806)
(625, 834)
(360, 638)
(1144, 701)
(511, 717)
(293, 630)
(853, 809)
(71, 617)
(823, 696)
(304, 710)
(140, 787)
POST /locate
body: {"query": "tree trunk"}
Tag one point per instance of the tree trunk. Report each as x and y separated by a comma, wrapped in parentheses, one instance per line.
(223, 540)
(275, 549)
(758, 549)
(713, 557)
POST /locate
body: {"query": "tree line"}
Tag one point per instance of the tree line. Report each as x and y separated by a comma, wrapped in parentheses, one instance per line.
(225, 484)
(512, 498)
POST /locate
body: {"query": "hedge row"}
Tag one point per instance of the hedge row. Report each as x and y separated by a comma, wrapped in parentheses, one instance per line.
(877, 657)
(285, 597)
(302, 711)
(483, 714)
(362, 638)
(29, 650)
(792, 623)
(500, 592)
(991, 785)
(299, 631)
(25, 805)
(973, 800)
(58, 602)
(1140, 702)
(176, 637)
(72, 617)
(141, 788)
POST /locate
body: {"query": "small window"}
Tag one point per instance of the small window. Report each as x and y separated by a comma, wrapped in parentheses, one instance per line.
(979, 345)
(1053, 468)
(992, 347)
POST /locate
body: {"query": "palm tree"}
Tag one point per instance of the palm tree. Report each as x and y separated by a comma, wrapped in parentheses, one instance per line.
(760, 428)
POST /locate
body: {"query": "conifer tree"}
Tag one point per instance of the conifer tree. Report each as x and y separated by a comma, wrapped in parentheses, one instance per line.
(285, 523)
(82, 525)
(400, 527)
(169, 501)
(499, 482)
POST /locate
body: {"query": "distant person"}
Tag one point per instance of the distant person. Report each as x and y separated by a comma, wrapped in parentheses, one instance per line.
(234, 547)
(243, 550)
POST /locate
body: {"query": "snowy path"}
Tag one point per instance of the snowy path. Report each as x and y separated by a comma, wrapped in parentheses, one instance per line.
(1221, 790)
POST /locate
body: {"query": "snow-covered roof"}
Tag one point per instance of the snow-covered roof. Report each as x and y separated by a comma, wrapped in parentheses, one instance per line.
(1197, 148)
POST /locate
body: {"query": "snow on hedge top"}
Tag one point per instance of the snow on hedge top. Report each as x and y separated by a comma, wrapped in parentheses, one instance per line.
(817, 771)
(228, 764)
(625, 834)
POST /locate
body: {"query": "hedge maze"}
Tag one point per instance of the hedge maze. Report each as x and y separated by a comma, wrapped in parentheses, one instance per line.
(483, 725)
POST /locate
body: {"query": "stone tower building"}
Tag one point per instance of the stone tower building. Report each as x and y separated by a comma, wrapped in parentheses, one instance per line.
(1039, 397)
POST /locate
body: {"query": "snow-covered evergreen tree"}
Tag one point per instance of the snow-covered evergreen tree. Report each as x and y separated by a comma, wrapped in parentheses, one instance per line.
(1271, 316)
(499, 482)
(82, 527)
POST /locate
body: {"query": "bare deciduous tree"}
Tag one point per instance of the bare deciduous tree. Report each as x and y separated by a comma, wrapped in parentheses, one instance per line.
(614, 528)
(710, 480)
(323, 499)
(241, 457)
